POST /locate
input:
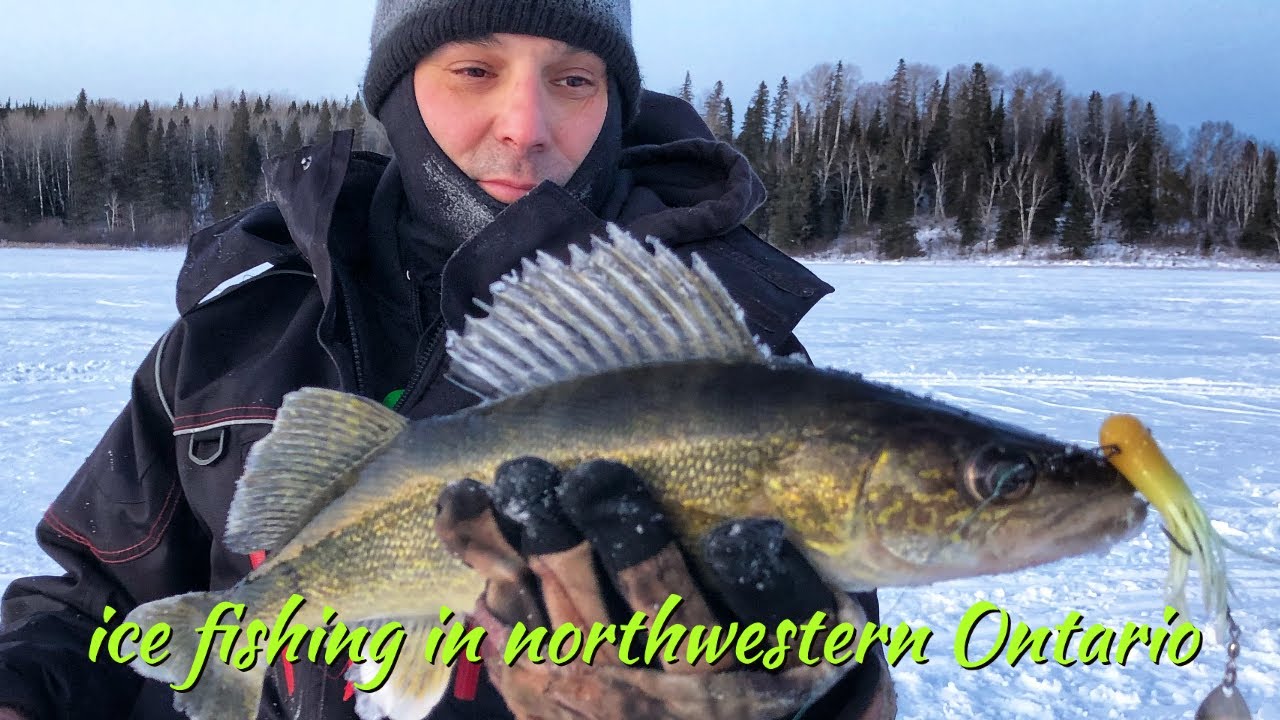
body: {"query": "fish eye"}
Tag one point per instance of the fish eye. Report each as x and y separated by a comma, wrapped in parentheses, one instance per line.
(998, 474)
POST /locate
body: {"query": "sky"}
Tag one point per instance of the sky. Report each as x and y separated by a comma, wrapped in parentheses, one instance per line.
(1195, 60)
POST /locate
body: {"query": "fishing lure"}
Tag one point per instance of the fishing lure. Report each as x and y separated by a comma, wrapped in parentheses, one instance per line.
(1133, 451)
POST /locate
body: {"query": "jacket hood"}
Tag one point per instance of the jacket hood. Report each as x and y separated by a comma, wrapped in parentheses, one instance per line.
(685, 184)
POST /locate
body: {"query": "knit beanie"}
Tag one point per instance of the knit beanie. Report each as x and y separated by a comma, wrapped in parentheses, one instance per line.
(405, 31)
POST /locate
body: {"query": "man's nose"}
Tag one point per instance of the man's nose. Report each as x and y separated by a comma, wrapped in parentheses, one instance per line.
(523, 120)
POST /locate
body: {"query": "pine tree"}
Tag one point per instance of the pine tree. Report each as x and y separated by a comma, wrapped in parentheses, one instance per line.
(969, 153)
(275, 138)
(1053, 154)
(1094, 129)
(1262, 231)
(88, 187)
(936, 142)
(258, 107)
(82, 106)
(967, 221)
(726, 121)
(325, 127)
(178, 194)
(1009, 233)
(356, 119)
(997, 155)
(134, 159)
(686, 90)
(211, 154)
(789, 224)
(752, 142)
(781, 105)
(899, 99)
(897, 237)
(181, 104)
(158, 177)
(293, 136)
(263, 136)
(1077, 228)
(240, 160)
(713, 110)
(1138, 201)
(789, 227)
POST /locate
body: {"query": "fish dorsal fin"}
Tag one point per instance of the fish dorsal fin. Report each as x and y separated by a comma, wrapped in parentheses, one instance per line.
(616, 306)
(306, 461)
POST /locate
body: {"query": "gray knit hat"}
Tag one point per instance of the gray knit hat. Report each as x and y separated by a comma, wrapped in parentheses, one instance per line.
(404, 31)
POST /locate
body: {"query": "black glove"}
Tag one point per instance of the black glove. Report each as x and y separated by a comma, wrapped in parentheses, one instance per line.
(594, 546)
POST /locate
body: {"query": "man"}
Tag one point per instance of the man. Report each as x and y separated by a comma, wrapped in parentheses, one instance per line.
(517, 127)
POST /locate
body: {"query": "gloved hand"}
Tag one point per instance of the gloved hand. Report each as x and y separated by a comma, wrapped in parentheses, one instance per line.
(594, 546)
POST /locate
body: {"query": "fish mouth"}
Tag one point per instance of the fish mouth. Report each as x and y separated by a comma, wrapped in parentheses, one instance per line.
(1093, 525)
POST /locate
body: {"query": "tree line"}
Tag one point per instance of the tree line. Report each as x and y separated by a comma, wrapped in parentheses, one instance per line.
(986, 159)
(992, 161)
(100, 172)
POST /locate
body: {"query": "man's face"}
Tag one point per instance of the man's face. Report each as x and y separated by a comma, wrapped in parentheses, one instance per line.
(513, 110)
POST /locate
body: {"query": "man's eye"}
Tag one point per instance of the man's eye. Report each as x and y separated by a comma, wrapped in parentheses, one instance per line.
(473, 72)
(577, 81)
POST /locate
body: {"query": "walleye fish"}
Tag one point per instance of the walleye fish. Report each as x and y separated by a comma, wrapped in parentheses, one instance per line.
(629, 354)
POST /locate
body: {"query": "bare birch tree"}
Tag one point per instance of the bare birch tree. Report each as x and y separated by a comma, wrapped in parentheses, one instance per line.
(1031, 185)
(1100, 173)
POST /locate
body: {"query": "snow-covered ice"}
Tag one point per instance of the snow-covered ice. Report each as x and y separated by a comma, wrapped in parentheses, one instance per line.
(1194, 353)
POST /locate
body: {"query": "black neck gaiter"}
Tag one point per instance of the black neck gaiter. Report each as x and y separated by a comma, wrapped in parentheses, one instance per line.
(443, 207)
(422, 211)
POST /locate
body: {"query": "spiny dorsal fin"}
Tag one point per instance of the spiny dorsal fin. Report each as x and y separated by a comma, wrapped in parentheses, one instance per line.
(614, 307)
(303, 464)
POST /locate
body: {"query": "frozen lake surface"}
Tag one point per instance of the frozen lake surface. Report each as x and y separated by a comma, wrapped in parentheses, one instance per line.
(1194, 353)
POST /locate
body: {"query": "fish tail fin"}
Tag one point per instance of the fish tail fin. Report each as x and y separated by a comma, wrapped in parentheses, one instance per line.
(222, 691)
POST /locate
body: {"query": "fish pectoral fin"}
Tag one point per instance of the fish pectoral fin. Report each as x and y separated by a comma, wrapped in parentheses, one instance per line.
(412, 686)
(307, 460)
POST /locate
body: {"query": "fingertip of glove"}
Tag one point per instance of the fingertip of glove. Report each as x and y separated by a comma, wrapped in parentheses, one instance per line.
(606, 486)
(526, 493)
(463, 500)
(761, 573)
(615, 510)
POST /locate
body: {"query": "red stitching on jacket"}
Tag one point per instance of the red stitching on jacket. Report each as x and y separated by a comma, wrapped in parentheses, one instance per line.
(153, 534)
(225, 419)
(226, 409)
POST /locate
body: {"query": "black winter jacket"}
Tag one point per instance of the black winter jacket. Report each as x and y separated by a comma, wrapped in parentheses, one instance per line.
(144, 516)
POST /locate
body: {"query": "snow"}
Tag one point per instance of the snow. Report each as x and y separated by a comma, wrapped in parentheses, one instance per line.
(1195, 353)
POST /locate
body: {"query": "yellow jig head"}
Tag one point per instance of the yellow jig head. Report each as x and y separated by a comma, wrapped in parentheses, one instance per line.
(1134, 452)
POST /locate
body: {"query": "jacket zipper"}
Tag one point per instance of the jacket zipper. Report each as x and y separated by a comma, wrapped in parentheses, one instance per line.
(424, 361)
